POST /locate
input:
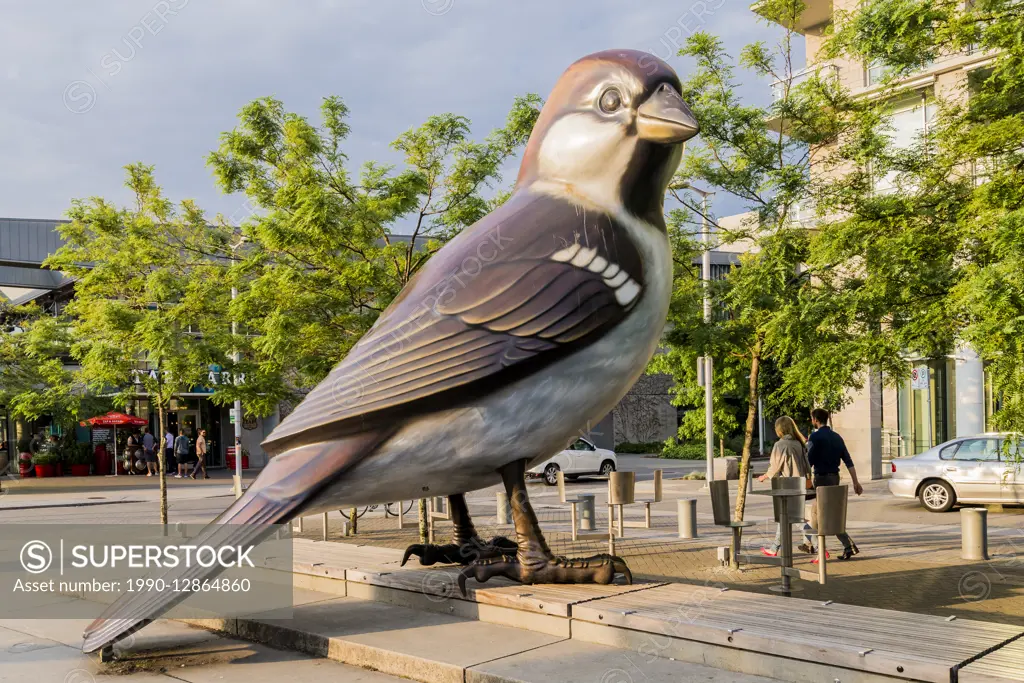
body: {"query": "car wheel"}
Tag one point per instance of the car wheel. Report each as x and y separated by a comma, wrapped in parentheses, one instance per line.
(607, 467)
(937, 496)
(551, 475)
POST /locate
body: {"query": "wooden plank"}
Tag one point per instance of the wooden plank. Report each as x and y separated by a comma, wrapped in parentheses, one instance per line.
(863, 638)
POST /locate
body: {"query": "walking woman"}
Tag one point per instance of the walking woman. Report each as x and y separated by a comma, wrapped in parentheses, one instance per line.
(789, 459)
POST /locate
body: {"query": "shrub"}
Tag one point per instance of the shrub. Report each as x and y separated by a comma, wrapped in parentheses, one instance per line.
(689, 450)
(45, 458)
(24, 445)
(695, 475)
(644, 447)
(79, 454)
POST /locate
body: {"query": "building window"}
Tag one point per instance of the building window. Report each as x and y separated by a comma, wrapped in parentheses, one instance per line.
(909, 120)
(874, 73)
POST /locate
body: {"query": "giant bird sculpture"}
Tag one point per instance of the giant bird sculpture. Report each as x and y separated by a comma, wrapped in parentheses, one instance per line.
(531, 322)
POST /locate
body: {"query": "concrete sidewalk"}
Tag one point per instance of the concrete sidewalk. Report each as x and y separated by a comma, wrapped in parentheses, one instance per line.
(907, 567)
(50, 650)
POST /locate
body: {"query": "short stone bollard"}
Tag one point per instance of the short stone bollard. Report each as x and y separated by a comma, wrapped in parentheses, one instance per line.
(687, 517)
(588, 514)
(504, 510)
(325, 526)
(974, 533)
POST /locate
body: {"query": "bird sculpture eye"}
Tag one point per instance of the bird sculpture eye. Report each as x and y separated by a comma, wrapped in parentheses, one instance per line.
(611, 100)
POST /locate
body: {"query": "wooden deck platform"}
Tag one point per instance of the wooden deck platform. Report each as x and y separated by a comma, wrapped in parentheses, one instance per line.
(789, 639)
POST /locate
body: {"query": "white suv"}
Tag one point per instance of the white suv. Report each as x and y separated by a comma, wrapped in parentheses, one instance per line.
(580, 458)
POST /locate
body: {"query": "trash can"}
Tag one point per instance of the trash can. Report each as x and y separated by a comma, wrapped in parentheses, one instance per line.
(621, 488)
(831, 503)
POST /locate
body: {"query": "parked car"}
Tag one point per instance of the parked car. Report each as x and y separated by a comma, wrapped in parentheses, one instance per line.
(580, 458)
(972, 469)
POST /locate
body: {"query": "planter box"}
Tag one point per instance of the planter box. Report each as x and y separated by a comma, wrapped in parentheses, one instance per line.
(80, 470)
(229, 460)
(46, 471)
(25, 468)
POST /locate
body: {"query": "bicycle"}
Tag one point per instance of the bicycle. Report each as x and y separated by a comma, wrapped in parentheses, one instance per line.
(390, 509)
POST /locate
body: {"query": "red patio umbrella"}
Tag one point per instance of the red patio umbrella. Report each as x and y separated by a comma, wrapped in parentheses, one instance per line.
(115, 419)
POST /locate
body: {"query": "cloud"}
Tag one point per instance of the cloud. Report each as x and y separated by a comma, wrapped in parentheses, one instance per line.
(89, 87)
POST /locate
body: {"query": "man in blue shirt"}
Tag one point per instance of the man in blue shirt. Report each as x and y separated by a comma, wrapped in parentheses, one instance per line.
(825, 451)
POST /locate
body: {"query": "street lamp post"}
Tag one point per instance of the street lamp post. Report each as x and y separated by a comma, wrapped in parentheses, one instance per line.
(237, 357)
(709, 427)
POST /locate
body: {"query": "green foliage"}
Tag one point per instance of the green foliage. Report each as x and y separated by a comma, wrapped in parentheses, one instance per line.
(690, 450)
(324, 255)
(938, 262)
(150, 297)
(45, 458)
(24, 445)
(33, 377)
(78, 454)
(639, 448)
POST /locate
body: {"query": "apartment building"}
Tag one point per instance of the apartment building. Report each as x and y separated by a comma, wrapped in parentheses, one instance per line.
(944, 397)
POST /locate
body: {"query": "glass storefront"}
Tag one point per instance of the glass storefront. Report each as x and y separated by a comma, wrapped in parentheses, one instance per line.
(187, 415)
(926, 405)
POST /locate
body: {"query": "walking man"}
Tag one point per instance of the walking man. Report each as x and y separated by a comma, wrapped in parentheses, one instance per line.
(825, 450)
(149, 449)
(169, 462)
(200, 455)
(181, 451)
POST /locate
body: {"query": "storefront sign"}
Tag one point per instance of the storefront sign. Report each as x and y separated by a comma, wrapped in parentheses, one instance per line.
(102, 434)
(919, 377)
(218, 376)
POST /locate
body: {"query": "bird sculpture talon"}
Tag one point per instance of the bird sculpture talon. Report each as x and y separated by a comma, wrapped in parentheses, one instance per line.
(601, 569)
(473, 550)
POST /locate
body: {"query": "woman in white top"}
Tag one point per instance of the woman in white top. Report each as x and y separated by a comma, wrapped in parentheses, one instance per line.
(789, 459)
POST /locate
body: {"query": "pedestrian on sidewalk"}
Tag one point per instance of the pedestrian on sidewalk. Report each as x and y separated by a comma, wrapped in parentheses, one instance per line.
(788, 459)
(181, 447)
(170, 465)
(131, 445)
(825, 450)
(149, 450)
(200, 455)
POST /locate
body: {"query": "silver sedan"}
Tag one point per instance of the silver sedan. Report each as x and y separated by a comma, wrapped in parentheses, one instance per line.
(975, 469)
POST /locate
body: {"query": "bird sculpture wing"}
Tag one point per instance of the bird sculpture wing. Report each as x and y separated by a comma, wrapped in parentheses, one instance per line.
(531, 281)
(535, 279)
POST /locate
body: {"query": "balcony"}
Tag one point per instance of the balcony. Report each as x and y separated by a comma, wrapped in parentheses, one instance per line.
(816, 14)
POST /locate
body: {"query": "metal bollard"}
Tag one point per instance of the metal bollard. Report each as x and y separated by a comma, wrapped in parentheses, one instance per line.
(588, 513)
(504, 510)
(974, 533)
(687, 517)
(325, 526)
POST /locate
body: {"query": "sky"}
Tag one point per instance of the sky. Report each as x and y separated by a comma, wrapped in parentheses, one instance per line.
(87, 87)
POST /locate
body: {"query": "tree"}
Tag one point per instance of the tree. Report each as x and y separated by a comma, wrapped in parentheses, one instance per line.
(149, 312)
(325, 252)
(952, 239)
(773, 308)
(34, 380)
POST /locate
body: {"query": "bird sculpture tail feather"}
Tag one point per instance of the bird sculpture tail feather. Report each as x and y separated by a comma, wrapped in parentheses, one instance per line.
(288, 482)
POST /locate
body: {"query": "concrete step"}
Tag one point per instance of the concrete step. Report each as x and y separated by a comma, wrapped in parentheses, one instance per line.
(431, 647)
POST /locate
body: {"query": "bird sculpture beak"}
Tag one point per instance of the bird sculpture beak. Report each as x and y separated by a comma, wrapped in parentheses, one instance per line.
(665, 118)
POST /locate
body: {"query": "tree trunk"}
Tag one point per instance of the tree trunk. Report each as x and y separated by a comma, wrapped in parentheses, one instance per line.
(748, 438)
(424, 521)
(162, 460)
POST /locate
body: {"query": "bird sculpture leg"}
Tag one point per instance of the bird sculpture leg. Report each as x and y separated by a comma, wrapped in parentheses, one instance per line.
(466, 545)
(533, 561)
